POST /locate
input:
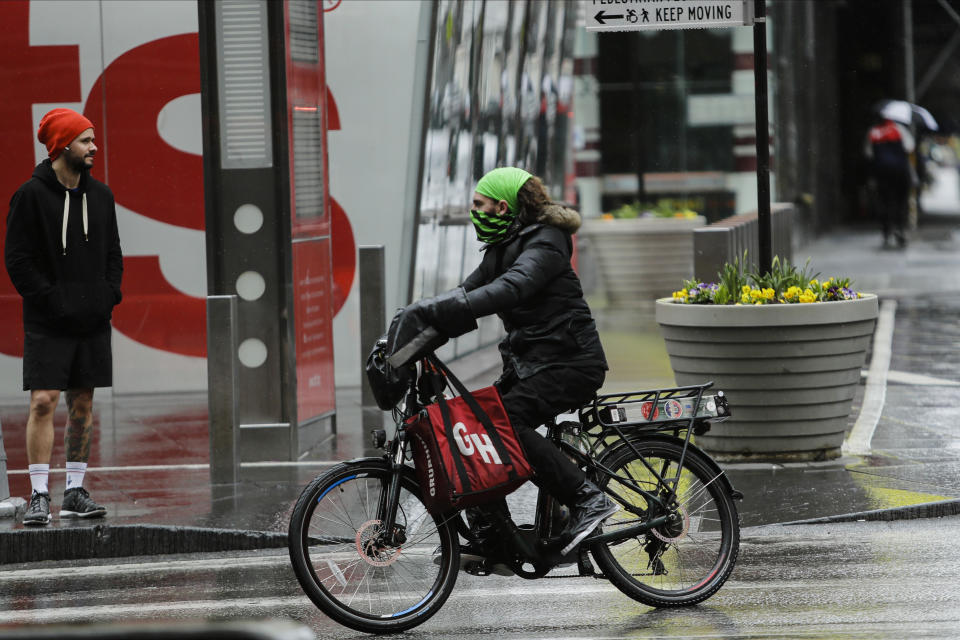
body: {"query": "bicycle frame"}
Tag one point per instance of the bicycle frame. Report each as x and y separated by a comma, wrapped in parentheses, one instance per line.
(604, 434)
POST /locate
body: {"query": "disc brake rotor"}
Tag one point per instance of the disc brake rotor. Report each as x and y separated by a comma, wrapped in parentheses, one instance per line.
(371, 547)
(674, 529)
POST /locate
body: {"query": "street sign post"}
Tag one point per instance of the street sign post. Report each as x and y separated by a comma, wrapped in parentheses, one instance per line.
(656, 15)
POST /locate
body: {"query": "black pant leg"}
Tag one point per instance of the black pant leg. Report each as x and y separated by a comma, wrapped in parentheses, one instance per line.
(532, 401)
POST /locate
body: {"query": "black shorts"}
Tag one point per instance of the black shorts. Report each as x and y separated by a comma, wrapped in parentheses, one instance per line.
(67, 362)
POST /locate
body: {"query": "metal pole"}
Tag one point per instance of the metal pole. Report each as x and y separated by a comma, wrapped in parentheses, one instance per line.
(908, 63)
(4, 483)
(223, 384)
(764, 228)
(373, 304)
(639, 118)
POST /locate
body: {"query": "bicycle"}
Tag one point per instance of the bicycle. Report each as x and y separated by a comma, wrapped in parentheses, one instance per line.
(368, 553)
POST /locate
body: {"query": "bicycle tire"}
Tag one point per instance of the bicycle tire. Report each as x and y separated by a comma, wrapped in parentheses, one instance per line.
(680, 563)
(341, 568)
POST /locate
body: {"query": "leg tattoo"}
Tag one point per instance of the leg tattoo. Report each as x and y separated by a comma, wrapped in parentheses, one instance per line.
(79, 429)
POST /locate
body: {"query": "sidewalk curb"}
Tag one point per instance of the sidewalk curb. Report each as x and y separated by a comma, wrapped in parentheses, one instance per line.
(114, 541)
(910, 512)
(12, 507)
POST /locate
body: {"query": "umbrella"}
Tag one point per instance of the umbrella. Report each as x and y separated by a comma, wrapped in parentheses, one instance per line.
(925, 117)
(905, 113)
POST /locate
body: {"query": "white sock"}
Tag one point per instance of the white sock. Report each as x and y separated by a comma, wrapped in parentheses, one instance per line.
(75, 471)
(38, 477)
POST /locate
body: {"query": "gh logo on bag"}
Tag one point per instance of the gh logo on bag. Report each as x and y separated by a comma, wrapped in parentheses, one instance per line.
(470, 443)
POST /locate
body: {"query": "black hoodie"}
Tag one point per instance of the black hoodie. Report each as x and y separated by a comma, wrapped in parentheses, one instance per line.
(67, 286)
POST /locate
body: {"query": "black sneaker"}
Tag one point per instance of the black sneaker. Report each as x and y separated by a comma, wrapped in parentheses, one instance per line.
(592, 507)
(78, 504)
(38, 513)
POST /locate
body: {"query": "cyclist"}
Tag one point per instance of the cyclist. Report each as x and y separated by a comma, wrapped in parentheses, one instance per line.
(552, 356)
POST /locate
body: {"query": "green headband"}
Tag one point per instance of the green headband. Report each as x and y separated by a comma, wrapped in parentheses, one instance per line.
(503, 184)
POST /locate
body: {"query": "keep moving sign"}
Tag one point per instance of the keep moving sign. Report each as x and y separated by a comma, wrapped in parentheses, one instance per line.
(655, 15)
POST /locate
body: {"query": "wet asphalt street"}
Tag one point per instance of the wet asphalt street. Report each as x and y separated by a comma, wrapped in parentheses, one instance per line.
(877, 580)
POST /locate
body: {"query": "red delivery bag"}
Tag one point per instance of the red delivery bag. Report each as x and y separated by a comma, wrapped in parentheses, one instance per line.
(465, 451)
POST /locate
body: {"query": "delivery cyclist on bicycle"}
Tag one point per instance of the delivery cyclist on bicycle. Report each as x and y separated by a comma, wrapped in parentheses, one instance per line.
(552, 357)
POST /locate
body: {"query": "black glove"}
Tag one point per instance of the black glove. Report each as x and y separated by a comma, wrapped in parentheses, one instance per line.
(448, 313)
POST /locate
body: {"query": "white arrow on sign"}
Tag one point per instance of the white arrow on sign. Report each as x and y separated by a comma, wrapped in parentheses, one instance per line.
(655, 15)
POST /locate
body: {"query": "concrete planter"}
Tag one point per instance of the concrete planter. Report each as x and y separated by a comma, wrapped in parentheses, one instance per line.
(641, 259)
(789, 371)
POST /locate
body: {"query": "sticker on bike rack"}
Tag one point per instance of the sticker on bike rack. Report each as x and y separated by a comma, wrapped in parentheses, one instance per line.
(673, 409)
(645, 410)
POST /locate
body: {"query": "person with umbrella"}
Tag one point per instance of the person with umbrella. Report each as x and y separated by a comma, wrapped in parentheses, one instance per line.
(888, 148)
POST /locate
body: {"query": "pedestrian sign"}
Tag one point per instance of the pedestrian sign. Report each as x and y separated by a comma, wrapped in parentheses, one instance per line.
(655, 15)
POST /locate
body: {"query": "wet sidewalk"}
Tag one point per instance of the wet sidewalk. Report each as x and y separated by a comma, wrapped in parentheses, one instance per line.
(149, 464)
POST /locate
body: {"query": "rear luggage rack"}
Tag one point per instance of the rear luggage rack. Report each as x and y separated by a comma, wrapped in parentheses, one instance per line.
(656, 410)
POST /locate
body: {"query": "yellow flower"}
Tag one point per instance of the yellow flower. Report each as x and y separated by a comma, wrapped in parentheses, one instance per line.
(680, 295)
(745, 298)
(768, 294)
(814, 283)
(755, 294)
(745, 289)
(808, 296)
(792, 293)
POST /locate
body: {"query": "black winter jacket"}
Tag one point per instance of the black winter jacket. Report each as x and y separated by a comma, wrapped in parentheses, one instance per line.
(72, 287)
(528, 281)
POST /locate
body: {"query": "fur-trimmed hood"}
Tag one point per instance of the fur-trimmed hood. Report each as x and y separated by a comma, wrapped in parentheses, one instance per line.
(561, 217)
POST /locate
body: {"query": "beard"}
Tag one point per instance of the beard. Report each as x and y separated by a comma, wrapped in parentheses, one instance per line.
(76, 162)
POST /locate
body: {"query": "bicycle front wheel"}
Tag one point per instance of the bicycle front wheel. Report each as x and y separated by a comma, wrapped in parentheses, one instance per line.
(685, 560)
(355, 573)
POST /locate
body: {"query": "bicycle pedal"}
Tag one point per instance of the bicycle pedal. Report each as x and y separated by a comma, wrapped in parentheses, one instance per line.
(486, 568)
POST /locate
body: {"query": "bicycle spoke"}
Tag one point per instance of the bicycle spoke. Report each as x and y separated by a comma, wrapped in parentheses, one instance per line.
(342, 558)
(677, 561)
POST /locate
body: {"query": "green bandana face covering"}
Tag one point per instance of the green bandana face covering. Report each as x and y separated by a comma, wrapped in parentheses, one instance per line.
(490, 227)
(500, 184)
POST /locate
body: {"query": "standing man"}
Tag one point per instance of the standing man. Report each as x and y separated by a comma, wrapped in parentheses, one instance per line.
(63, 256)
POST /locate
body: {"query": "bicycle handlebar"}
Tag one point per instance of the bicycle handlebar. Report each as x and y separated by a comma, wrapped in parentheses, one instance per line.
(424, 342)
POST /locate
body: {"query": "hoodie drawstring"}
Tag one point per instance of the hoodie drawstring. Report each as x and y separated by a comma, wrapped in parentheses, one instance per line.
(66, 218)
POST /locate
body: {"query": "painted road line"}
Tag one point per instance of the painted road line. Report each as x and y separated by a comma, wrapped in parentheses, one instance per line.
(88, 613)
(140, 568)
(858, 441)
(191, 467)
(903, 377)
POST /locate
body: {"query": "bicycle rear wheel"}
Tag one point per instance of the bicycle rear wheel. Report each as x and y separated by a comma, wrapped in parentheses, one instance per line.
(346, 567)
(685, 560)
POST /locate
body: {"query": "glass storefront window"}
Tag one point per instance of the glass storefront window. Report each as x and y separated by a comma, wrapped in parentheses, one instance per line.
(499, 92)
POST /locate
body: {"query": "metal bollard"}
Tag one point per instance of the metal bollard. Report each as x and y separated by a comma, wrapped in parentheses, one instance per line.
(9, 506)
(4, 483)
(373, 303)
(223, 386)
